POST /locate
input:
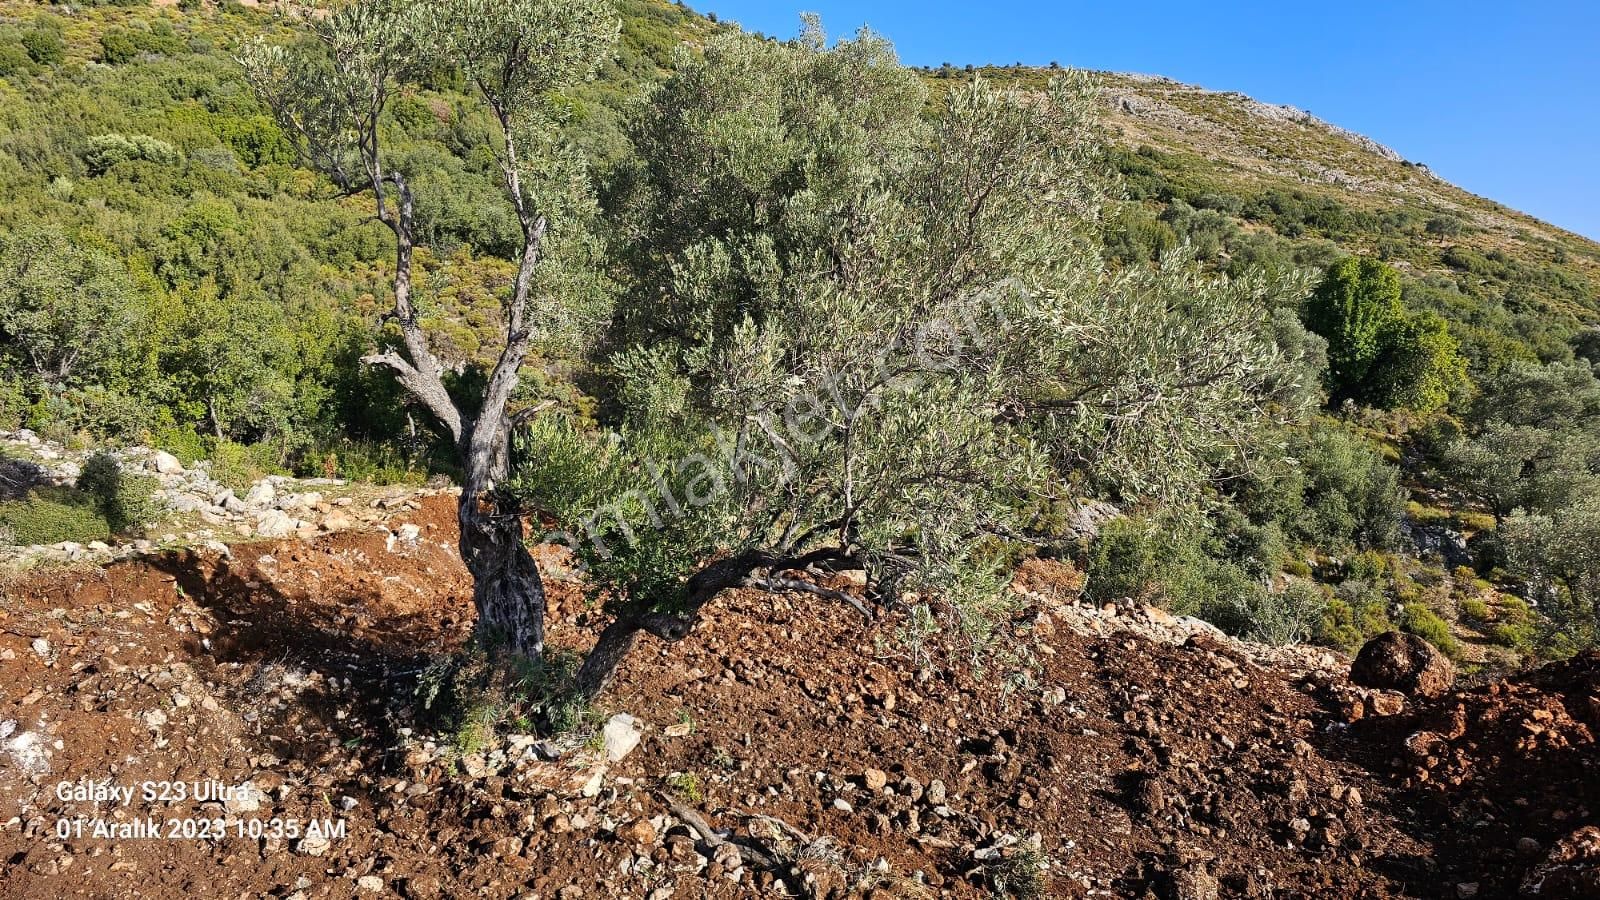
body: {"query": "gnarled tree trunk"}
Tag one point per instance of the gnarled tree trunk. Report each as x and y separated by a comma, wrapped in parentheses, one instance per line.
(506, 588)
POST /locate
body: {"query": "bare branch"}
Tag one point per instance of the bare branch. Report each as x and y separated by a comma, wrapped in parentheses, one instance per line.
(806, 587)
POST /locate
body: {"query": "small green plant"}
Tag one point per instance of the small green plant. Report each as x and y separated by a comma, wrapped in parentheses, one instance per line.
(686, 785)
(1476, 610)
(473, 695)
(1423, 622)
(1021, 872)
(1519, 636)
(1426, 515)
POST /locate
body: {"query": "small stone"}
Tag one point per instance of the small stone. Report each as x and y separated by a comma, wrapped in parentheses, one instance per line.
(313, 845)
(424, 887)
(620, 736)
(1466, 890)
(936, 793)
(842, 805)
(1529, 847)
(640, 831)
(875, 779)
(41, 647)
(372, 884)
(1385, 703)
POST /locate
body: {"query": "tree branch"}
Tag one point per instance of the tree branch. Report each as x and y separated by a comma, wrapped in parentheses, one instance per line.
(776, 584)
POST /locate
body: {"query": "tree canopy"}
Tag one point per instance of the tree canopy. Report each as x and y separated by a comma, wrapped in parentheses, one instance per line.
(861, 341)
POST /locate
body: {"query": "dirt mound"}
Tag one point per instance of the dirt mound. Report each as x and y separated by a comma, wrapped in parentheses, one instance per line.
(783, 747)
(1503, 770)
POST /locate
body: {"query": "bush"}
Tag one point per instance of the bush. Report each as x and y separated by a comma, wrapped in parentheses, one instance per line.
(45, 46)
(50, 516)
(233, 466)
(1476, 610)
(1352, 618)
(107, 150)
(14, 60)
(1290, 617)
(1167, 566)
(365, 461)
(125, 501)
(117, 47)
(1423, 622)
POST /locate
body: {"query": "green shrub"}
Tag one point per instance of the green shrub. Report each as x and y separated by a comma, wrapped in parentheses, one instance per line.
(1515, 637)
(104, 151)
(117, 47)
(45, 46)
(125, 501)
(234, 466)
(14, 60)
(364, 461)
(1169, 567)
(183, 443)
(1423, 622)
(1290, 617)
(1476, 610)
(1515, 610)
(50, 516)
(1369, 565)
(1425, 515)
(1349, 621)
(472, 699)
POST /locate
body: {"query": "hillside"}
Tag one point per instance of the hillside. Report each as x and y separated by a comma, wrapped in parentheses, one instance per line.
(683, 463)
(1292, 189)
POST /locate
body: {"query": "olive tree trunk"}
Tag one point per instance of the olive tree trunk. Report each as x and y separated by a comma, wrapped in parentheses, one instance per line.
(507, 591)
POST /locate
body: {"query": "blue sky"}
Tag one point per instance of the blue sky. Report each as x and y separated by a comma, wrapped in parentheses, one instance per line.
(1500, 98)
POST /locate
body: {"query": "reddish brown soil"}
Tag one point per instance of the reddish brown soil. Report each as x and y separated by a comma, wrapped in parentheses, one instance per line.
(1144, 769)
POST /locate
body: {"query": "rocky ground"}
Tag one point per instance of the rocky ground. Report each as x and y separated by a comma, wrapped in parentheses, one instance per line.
(196, 509)
(783, 748)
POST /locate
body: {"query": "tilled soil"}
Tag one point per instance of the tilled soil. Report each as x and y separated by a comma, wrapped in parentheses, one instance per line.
(885, 759)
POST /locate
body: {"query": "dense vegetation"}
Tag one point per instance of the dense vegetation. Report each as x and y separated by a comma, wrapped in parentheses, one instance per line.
(1292, 385)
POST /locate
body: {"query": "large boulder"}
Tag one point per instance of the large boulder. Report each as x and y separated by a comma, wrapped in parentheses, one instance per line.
(1396, 661)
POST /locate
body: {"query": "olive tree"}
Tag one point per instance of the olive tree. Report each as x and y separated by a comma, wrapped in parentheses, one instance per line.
(1532, 440)
(330, 92)
(855, 339)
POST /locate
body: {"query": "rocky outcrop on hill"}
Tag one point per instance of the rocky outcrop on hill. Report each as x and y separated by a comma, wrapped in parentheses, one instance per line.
(198, 508)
